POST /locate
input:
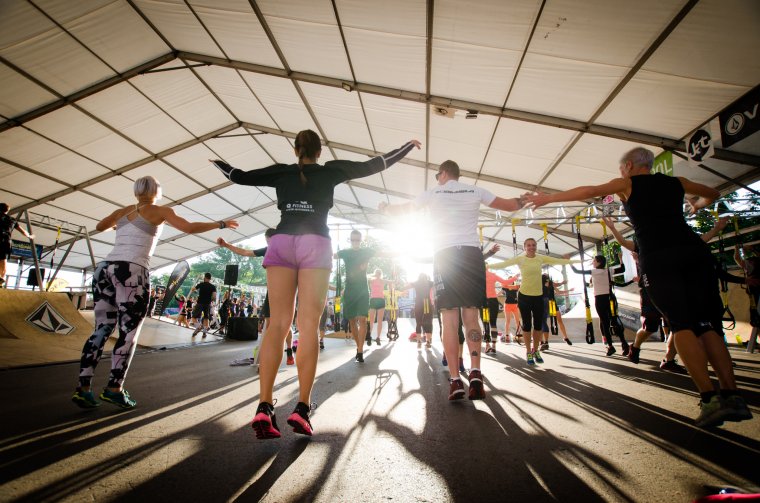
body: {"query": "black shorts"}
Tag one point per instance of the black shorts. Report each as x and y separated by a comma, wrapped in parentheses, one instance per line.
(651, 319)
(204, 309)
(531, 311)
(460, 277)
(423, 316)
(5, 250)
(683, 285)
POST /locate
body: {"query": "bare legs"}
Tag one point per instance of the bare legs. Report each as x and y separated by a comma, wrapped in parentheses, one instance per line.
(312, 291)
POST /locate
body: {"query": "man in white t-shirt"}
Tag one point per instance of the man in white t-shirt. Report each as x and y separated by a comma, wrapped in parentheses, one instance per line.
(458, 266)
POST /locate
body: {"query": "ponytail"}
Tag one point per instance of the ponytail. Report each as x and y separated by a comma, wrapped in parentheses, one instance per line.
(307, 146)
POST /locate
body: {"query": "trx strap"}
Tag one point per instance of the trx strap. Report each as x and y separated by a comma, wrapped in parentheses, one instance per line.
(515, 221)
(338, 285)
(754, 316)
(553, 327)
(728, 319)
(616, 326)
(589, 324)
(52, 258)
(392, 308)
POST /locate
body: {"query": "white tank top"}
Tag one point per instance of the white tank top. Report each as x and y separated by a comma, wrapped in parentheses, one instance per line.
(135, 241)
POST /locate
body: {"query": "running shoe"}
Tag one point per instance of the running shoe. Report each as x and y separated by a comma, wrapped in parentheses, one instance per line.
(321, 344)
(377, 341)
(290, 359)
(531, 361)
(85, 399)
(195, 332)
(544, 346)
(476, 392)
(711, 413)
(264, 422)
(611, 350)
(736, 408)
(118, 398)
(360, 357)
(299, 420)
(444, 361)
(569, 342)
(672, 366)
(368, 339)
(456, 389)
(633, 355)
(295, 345)
(461, 365)
(537, 357)
(626, 349)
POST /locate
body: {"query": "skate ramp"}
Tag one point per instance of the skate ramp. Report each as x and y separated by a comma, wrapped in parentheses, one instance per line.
(40, 327)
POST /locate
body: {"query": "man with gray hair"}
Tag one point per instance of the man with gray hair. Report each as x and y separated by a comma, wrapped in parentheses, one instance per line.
(458, 267)
(677, 272)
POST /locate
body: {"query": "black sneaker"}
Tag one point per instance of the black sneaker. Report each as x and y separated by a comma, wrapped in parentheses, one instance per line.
(264, 422)
(611, 350)
(360, 357)
(626, 349)
(299, 420)
(569, 342)
(368, 340)
(633, 355)
(544, 346)
(321, 344)
(672, 366)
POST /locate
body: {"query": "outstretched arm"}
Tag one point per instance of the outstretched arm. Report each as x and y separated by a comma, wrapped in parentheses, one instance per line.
(705, 195)
(235, 249)
(720, 224)
(625, 243)
(616, 186)
(183, 225)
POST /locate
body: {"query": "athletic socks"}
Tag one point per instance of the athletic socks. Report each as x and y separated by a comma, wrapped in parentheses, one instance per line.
(707, 395)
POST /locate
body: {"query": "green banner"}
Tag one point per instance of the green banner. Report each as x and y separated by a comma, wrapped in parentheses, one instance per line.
(663, 163)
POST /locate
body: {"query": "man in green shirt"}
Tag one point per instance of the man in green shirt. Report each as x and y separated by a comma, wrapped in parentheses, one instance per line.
(356, 294)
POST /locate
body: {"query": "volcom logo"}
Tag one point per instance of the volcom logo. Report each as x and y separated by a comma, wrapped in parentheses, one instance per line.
(47, 319)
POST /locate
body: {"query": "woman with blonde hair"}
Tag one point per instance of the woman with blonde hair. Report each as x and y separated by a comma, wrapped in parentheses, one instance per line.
(121, 288)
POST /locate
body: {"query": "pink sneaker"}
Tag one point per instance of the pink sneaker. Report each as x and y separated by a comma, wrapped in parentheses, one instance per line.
(264, 422)
(299, 420)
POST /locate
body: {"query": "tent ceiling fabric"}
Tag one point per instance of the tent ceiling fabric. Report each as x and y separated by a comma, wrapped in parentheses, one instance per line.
(96, 94)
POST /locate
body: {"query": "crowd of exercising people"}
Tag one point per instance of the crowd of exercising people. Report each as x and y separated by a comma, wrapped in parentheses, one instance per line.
(677, 277)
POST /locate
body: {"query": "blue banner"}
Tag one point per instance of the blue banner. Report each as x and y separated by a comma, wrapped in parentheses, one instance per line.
(24, 249)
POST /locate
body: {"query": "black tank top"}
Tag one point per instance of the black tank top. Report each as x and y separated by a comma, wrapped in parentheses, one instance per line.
(655, 208)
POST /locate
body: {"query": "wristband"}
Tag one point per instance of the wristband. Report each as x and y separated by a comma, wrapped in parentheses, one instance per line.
(222, 225)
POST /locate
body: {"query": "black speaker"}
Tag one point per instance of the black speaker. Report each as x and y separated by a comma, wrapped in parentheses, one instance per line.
(243, 329)
(31, 280)
(231, 274)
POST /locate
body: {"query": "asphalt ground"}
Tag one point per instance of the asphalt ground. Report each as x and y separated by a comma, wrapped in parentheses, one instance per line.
(580, 427)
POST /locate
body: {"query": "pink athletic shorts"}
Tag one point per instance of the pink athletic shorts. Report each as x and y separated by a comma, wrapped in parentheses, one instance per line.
(299, 251)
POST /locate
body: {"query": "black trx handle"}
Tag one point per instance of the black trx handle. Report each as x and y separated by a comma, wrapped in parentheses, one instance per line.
(589, 324)
(616, 326)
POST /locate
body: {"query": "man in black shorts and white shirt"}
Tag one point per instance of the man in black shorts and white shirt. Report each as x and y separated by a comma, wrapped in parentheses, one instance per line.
(206, 295)
(458, 267)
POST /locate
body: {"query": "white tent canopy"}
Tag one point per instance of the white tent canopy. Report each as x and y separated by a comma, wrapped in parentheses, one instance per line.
(98, 93)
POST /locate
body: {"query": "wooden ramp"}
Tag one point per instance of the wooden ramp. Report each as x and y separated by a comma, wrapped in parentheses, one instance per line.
(40, 327)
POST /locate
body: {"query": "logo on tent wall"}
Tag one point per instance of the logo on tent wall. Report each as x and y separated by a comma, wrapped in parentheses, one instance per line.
(48, 320)
(699, 146)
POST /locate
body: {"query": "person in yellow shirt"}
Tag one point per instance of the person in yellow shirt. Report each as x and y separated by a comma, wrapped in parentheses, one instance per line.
(530, 296)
